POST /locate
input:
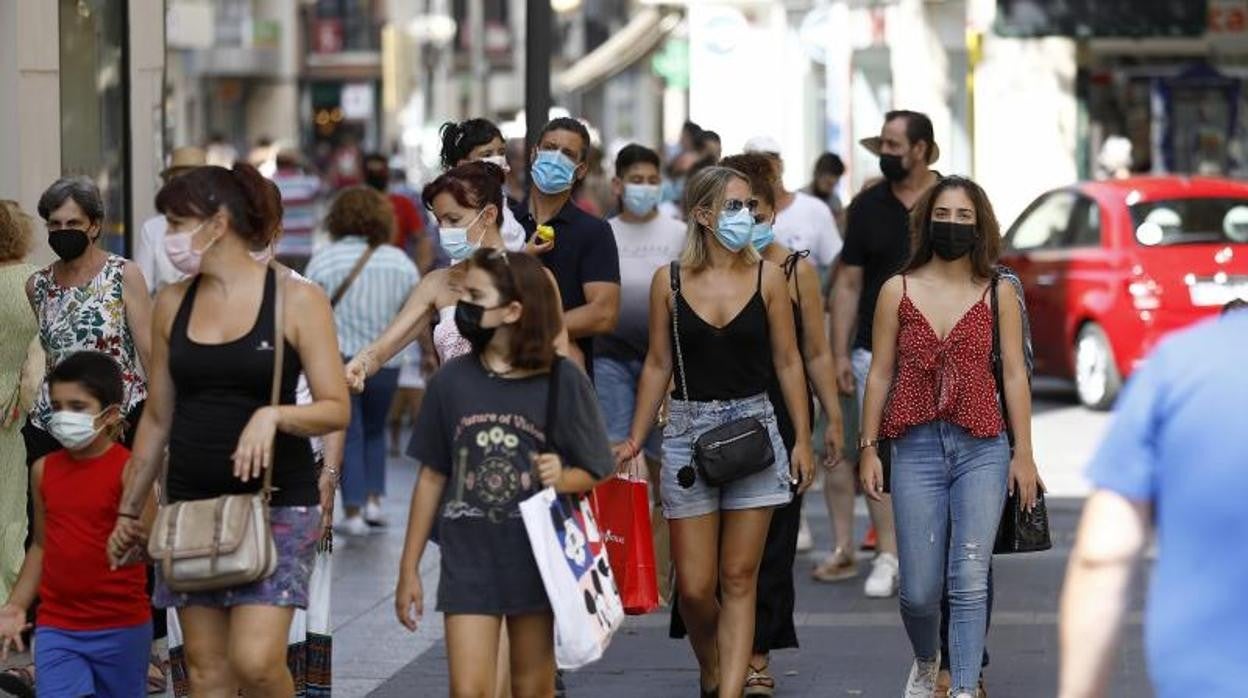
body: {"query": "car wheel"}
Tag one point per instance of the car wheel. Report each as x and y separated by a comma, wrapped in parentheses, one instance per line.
(1096, 375)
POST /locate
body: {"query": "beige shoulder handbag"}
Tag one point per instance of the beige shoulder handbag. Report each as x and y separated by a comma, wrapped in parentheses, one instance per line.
(210, 544)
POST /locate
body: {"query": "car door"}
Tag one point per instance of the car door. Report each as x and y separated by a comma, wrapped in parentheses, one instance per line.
(1087, 279)
(1035, 248)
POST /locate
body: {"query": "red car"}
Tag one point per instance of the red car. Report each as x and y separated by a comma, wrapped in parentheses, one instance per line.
(1111, 267)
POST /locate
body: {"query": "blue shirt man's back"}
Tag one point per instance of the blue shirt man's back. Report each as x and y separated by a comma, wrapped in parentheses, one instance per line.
(1179, 441)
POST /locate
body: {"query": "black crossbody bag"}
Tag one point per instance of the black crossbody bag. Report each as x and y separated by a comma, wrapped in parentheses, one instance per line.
(730, 451)
(1020, 531)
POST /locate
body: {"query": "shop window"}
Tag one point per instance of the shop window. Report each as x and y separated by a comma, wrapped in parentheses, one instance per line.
(93, 88)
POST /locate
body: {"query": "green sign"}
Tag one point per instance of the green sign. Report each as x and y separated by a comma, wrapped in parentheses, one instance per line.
(672, 63)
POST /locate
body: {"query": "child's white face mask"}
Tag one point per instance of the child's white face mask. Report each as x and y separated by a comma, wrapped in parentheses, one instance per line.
(74, 430)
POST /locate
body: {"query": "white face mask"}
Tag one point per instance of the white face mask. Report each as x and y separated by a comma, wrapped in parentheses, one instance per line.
(500, 160)
(74, 430)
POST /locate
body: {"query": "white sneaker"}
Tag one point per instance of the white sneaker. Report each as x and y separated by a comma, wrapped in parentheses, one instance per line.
(805, 543)
(353, 526)
(883, 580)
(922, 680)
(373, 515)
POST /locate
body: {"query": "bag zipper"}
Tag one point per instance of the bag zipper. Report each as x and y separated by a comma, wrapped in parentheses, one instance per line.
(734, 439)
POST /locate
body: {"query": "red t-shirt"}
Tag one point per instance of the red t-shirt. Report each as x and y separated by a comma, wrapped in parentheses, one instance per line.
(76, 590)
(409, 223)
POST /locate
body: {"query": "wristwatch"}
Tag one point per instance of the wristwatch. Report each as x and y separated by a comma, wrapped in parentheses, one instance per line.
(864, 444)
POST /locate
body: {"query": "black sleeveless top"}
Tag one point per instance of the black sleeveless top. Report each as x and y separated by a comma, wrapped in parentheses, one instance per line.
(724, 363)
(218, 388)
(784, 422)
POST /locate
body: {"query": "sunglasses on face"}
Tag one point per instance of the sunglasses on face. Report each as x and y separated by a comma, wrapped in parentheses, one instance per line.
(734, 205)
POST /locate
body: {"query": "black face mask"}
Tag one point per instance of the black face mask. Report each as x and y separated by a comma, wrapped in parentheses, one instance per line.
(68, 243)
(892, 169)
(468, 322)
(378, 181)
(952, 241)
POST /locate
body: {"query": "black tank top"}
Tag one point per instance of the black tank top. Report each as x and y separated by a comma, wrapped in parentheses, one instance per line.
(784, 422)
(724, 363)
(218, 387)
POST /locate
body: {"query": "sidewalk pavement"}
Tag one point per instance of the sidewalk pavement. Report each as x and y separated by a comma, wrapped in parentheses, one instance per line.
(851, 645)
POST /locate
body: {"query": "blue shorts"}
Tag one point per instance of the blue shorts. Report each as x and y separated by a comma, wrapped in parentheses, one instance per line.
(616, 382)
(689, 420)
(105, 663)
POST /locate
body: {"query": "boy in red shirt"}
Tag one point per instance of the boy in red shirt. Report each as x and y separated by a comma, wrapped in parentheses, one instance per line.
(93, 627)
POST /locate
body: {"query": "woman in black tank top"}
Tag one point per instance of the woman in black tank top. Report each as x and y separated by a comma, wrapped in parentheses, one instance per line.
(213, 358)
(774, 628)
(735, 331)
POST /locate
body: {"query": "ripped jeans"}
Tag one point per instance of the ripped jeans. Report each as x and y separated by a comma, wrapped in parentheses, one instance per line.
(948, 492)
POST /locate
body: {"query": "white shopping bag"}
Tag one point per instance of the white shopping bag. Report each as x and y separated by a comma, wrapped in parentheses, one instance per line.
(573, 562)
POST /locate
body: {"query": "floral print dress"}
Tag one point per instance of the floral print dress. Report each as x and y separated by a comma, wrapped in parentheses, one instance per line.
(86, 318)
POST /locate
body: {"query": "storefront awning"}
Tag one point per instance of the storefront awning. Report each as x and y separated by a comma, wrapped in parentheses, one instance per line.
(634, 42)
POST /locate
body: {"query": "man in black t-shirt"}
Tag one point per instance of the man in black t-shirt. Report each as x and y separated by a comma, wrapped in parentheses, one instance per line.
(581, 254)
(877, 245)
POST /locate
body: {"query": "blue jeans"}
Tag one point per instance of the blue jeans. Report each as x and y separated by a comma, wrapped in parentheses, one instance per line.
(364, 462)
(948, 492)
(616, 382)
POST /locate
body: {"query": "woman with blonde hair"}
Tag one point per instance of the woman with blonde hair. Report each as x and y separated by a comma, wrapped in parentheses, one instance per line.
(721, 299)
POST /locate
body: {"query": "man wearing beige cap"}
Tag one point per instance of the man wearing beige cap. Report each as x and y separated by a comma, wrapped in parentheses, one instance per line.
(877, 245)
(149, 248)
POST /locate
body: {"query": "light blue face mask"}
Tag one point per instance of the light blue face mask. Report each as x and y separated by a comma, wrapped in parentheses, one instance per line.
(553, 172)
(455, 243)
(764, 235)
(735, 230)
(674, 190)
(641, 199)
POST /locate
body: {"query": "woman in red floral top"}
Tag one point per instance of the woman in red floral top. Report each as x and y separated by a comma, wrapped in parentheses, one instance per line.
(932, 394)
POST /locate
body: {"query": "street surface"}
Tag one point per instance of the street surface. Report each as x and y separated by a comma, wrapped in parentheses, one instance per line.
(851, 645)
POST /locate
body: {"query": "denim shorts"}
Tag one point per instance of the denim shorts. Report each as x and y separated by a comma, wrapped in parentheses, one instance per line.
(689, 420)
(616, 382)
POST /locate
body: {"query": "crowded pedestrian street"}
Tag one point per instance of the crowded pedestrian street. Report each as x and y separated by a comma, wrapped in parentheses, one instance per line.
(846, 639)
(586, 349)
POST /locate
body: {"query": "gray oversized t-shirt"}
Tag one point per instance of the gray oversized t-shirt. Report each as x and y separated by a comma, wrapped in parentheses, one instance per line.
(481, 431)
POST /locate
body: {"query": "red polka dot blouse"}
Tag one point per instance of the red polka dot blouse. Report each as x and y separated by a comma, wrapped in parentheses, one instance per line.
(946, 379)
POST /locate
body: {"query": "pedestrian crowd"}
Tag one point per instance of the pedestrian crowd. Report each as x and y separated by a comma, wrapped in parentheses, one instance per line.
(178, 428)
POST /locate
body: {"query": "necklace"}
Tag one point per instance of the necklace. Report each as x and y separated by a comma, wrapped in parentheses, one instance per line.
(489, 370)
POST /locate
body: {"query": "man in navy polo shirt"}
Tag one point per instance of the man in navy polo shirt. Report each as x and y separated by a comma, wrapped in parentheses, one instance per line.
(582, 253)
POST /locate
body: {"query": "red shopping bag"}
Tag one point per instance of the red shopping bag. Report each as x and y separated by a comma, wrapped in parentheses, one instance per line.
(622, 509)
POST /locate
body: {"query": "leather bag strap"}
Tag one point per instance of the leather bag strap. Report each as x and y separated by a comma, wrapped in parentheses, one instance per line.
(351, 277)
(279, 352)
(998, 363)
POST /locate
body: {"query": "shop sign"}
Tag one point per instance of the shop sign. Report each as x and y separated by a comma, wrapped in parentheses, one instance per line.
(1228, 23)
(357, 100)
(327, 35)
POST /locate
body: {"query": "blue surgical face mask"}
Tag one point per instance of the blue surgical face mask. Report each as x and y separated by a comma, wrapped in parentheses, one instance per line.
(735, 230)
(764, 235)
(455, 243)
(641, 199)
(553, 172)
(674, 190)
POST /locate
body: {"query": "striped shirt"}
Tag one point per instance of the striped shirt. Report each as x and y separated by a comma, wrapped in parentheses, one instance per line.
(375, 296)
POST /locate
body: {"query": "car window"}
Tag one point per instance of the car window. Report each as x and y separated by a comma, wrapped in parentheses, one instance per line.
(1085, 225)
(1187, 221)
(1045, 225)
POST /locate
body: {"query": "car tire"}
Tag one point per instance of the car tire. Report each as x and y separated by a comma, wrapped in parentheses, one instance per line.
(1097, 379)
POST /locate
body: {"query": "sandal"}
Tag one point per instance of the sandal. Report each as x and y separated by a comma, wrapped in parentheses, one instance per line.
(759, 683)
(158, 682)
(19, 681)
(839, 566)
